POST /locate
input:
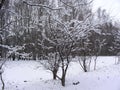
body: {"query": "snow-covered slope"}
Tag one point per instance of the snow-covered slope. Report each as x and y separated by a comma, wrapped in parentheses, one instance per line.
(31, 75)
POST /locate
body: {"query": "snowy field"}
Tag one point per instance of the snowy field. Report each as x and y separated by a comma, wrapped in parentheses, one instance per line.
(31, 75)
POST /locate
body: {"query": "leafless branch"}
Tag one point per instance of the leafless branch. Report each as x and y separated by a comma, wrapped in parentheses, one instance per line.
(77, 5)
(2, 64)
(41, 5)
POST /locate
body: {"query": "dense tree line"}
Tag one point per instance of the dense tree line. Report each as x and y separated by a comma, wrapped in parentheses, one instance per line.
(28, 20)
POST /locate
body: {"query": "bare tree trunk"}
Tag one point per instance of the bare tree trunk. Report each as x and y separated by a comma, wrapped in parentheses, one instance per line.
(54, 74)
(89, 65)
(63, 79)
(34, 55)
(3, 84)
(64, 71)
(95, 63)
(84, 66)
(1, 72)
(118, 60)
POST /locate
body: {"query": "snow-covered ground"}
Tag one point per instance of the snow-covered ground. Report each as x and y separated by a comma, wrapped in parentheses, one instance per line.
(31, 75)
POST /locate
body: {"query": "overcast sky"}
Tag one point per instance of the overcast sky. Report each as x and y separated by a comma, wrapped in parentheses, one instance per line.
(112, 7)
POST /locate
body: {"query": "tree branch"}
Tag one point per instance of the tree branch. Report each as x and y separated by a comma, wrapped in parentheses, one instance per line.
(41, 5)
(77, 5)
(58, 77)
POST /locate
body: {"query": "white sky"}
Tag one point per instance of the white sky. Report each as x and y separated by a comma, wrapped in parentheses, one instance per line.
(112, 7)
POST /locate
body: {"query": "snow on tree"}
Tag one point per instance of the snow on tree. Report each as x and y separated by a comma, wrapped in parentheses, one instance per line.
(64, 30)
(56, 30)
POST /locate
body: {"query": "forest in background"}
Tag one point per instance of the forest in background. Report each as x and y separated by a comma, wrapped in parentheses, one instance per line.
(33, 29)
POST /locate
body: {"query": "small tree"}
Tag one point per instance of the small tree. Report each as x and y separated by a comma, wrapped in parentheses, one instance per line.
(85, 56)
(52, 64)
(66, 29)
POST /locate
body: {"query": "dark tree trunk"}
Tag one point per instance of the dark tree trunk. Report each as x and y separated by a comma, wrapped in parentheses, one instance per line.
(63, 80)
(13, 56)
(84, 66)
(1, 78)
(3, 84)
(34, 56)
(54, 74)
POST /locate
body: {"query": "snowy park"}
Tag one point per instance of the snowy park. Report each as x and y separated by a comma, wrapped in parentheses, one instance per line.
(59, 45)
(31, 75)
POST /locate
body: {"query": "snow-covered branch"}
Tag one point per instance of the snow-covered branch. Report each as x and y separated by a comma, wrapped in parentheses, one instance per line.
(41, 5)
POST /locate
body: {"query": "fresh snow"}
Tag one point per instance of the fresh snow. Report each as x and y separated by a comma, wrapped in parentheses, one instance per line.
(31, 75)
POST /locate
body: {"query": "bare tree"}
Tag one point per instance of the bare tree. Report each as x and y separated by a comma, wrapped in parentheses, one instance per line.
(52, 64)
(85, 56)
(65, 30)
